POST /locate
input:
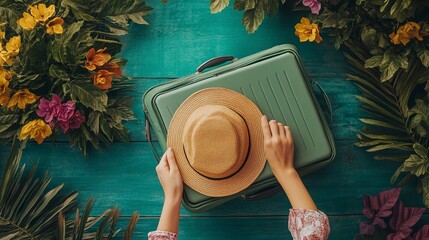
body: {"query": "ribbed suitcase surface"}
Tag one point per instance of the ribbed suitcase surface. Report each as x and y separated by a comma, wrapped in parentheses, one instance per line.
(278, 85)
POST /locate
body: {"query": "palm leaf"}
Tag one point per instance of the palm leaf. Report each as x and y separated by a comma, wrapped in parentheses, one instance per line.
(27, 209)
(387, 130)
(85, 225)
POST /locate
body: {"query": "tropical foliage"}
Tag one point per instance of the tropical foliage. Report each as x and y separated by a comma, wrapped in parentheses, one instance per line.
(58, 70)
(28, 210)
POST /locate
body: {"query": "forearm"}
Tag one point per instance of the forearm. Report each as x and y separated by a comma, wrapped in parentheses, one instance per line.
(170, 215)
(295, 189)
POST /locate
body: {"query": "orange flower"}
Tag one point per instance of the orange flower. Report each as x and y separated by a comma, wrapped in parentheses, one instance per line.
(113, 68)
(27, 22)
(41, 13)
(307, 31)
(55, 26)
(96, 59)
(36, 129)
(4, 91)
(405, 33)
(103, 79)
(21, 98)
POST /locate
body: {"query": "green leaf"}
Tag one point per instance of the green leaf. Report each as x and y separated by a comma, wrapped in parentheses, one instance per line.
(218, 5)
(425, 190)
(88, 96)
(374, 61)
(252, 19)
(244, 4)
(392, 62)
(400, 146)
(423, 54)
(416, 165)
(419, 118)
(137, 17)
(271, 7)
(421, 151)
(94, 121)
(58, 72)
(381, 124)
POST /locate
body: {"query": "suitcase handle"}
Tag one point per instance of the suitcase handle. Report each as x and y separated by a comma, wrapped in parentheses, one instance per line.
(149, 140)
(214, 62)
(326, 98)
(265, 193)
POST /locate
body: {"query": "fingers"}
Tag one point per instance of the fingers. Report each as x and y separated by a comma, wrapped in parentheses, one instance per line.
(171, 159)
(282, 131)
(288, 133)
(274, 128)
(265, 127)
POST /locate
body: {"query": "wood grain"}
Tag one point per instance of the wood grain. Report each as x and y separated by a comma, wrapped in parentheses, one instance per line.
(181, 35)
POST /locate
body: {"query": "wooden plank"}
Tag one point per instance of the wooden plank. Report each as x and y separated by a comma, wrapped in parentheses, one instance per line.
(183, 34)
(125, 175)
(342, 227)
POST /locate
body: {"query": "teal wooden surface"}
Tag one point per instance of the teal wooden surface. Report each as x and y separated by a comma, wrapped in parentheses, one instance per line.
(181, 35)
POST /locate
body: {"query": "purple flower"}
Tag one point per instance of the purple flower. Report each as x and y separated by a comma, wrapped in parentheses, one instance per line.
(49, 109)
(314, 5)
(76, 120)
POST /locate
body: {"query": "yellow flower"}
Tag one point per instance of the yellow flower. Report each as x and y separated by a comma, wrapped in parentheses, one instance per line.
(13, 45)
(2, 34)
(27, 22)
(41, 13)
(22, 97)
(36, 129)
(405, 33)
(4, 97)
(4, 91)
(307, 31)
(55, 26)
(11, 50)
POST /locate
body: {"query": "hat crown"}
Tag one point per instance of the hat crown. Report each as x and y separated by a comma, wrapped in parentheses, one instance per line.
(216, 141)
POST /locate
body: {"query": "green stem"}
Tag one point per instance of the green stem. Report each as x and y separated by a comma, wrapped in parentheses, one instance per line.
(18, 227)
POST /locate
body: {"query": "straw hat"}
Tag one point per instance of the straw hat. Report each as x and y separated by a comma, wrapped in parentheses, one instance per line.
(217, 138)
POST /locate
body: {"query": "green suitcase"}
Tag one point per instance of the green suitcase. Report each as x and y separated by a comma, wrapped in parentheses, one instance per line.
(276, 81)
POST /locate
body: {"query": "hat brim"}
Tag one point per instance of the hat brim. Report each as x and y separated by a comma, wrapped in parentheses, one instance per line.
(255, 162)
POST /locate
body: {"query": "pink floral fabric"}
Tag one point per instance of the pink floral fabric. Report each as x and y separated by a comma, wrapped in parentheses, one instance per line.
(307, 224)
(162, 235)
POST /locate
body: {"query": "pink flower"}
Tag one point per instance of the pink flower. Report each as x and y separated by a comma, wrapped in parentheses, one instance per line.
(64, 126)
(65, 111)
(314, 5)
(49, 109)
(76, 120)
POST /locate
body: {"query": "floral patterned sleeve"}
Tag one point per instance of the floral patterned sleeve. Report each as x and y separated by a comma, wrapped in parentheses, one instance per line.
(162, 235)
(307, 224)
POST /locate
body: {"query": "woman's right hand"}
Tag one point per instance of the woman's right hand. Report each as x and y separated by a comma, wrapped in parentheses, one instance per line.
(278, 144)
(170, 178)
